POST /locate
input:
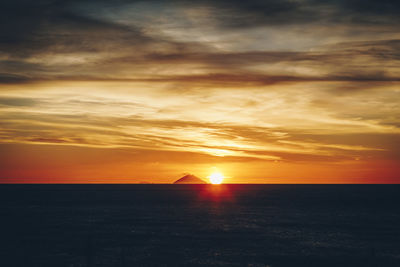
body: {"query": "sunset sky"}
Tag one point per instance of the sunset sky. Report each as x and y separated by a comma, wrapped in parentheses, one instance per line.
(272, 91)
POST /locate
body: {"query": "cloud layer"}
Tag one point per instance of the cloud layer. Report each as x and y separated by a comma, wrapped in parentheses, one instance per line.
(300, 82)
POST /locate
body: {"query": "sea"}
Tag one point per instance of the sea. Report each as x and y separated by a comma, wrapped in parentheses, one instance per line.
(130, 225)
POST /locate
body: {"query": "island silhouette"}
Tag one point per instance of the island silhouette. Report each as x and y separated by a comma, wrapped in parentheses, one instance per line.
(190, 179)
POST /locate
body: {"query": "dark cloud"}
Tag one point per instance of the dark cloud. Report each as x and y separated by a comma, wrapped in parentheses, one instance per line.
(239, 14)
(62, 32)
(13, 78)
(33, 33)
(253, 79)
(58, 27)
(48, 24)
(45, 24)
(358, 62)
(274, 12)
(382, 7)
(17, 101)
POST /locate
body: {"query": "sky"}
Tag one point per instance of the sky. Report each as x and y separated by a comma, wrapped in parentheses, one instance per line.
(273, 91)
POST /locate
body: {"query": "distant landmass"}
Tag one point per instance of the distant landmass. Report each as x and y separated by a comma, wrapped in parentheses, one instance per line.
(190, 179)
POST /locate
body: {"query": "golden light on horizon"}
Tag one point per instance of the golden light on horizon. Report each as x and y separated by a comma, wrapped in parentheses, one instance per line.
(216, 178)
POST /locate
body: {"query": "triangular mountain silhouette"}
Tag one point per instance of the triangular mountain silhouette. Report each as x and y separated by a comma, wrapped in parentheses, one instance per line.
(189, 179)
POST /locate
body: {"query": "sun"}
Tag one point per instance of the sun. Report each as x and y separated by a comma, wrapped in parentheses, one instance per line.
(216, 178)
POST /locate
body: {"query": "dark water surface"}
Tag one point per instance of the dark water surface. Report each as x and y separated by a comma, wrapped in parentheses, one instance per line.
(199, 225)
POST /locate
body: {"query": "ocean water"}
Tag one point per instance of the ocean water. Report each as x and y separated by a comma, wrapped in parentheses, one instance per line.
(199, 225)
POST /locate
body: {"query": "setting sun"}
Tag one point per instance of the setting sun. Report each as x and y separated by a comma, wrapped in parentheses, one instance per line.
(216, 178)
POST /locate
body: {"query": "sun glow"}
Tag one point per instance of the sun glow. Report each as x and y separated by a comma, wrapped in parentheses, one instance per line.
(216, 178)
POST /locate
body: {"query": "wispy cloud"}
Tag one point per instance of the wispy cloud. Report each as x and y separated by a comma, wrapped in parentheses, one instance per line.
(264, 81)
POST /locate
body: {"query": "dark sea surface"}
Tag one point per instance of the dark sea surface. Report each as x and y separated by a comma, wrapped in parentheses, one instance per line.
(199, 225)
